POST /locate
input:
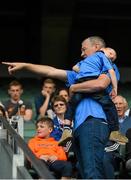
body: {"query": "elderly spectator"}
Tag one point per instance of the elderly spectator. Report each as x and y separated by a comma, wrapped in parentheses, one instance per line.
(110, 158)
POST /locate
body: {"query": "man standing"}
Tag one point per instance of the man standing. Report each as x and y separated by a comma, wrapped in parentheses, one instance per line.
(91, 131)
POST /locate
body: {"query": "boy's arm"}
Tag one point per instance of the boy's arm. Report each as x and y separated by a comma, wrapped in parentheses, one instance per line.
(114, 83)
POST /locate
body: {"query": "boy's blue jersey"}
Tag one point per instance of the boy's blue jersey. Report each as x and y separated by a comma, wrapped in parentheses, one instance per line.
(93, 65)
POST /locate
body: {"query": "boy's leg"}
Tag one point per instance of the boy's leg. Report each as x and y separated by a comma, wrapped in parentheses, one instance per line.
(63, 168)
(109, 109)
(112, 117)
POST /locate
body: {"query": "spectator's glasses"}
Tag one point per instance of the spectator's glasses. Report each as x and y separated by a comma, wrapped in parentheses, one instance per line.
(60, 104)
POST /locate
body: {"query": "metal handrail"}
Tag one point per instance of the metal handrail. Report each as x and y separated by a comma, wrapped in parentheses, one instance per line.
(39, 166)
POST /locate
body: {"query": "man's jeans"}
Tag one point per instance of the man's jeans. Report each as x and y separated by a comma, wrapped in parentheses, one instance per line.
(90, 139)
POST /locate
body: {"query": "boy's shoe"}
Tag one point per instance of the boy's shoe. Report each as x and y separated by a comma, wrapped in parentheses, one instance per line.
(113, 147)
(118, 137)
(65, 135)
(66, 143)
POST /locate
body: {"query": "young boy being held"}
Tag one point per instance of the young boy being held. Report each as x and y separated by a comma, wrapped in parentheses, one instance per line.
(46, 148)
(90, 68)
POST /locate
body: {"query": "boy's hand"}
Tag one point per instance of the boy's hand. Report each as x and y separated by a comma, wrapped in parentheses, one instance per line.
(75, 68)
(71, 91)
(44, 157)
(113, 93)
(52, 158)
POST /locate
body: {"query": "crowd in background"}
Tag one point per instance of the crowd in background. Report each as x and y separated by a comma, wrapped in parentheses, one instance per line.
(88, 143)
(52, 102)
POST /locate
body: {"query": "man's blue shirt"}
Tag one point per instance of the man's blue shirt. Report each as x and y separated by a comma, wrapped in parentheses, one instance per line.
(87, 106)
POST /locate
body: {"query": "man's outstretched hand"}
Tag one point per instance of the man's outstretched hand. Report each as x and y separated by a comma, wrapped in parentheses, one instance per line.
(12, 67)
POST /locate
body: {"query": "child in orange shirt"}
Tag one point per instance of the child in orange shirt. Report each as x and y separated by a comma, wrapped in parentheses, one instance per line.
(46, 148)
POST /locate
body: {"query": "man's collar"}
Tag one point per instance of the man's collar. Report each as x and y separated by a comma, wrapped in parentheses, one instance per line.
(122, 119)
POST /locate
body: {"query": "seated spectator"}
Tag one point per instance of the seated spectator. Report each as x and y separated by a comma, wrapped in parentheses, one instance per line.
(111, 157)
(43, 100)
(64, 92)
(59, 106)
(124, 121)
(46, 148)
(15, 105)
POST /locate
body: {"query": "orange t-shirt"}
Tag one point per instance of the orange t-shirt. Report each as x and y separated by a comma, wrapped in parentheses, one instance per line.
(49, 146)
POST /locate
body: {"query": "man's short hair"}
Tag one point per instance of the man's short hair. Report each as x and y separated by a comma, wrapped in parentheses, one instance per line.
(15, 83)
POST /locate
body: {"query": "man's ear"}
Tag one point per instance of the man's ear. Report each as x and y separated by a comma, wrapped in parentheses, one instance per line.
(97, 46)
